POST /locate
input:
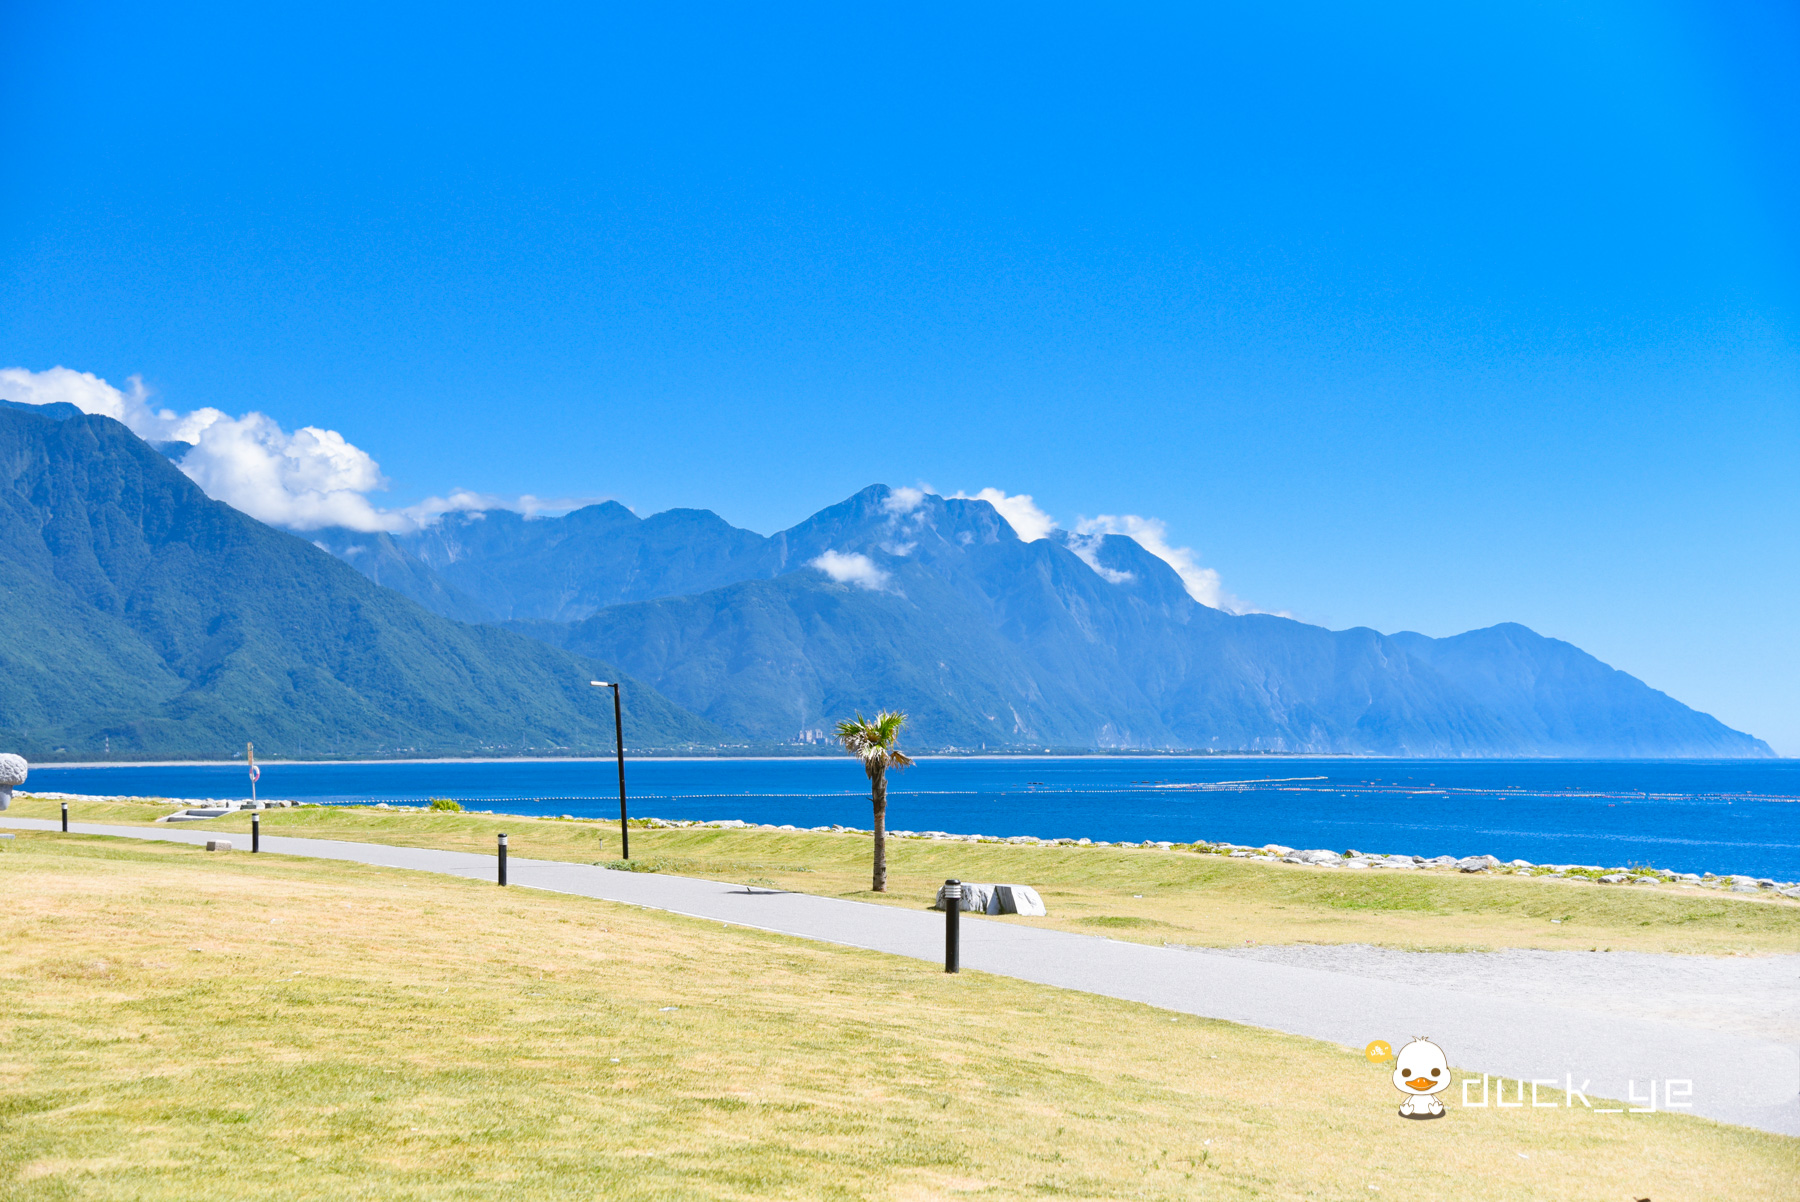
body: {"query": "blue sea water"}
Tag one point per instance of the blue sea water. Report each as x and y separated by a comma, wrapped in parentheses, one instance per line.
(1690, 816)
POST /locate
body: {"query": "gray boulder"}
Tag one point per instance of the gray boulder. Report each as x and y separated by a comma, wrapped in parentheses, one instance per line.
(1476, 863)
(1615, 878)
(1019, 899)
(1317, 856)
(976, 899)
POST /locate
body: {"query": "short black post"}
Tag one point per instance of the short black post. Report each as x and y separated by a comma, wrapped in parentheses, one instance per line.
(65, 817)
(503, 857)
(952, 913)
(255, 831)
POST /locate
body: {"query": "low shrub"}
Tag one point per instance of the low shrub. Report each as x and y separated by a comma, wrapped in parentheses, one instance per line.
(446, 804)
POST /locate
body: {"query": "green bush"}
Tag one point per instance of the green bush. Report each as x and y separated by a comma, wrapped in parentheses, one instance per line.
(446, 804)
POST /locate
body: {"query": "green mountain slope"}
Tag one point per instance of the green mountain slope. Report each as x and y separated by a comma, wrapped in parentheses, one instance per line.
(990, 641)
(139, 615)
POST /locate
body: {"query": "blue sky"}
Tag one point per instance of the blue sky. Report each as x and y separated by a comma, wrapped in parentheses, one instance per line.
(1398, 317)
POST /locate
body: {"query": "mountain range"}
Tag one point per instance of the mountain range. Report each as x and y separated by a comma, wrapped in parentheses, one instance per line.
(140, 618)
(903, 599)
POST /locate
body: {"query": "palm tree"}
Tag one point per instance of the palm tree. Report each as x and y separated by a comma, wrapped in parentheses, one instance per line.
(872, 742)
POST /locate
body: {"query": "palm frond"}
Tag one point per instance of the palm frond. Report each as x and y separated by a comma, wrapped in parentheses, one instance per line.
(872, 741)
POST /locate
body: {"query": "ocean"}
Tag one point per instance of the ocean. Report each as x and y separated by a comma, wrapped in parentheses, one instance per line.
(1686, 815)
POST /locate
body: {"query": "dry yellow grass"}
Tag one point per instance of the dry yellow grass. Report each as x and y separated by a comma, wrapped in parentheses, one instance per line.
(1145, 895)
(184, 1026)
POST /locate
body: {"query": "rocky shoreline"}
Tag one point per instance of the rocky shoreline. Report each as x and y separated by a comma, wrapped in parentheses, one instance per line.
(1320, 858)
(1348, 860)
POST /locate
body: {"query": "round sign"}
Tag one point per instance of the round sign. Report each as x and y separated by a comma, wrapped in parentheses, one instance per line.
(1378, 1051)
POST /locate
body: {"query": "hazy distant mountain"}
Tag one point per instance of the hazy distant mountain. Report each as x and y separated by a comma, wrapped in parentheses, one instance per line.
(989, 640)
(137, 614)
(496, 564)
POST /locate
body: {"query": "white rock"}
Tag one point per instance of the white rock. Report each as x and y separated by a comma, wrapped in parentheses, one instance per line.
(976, 899)
(1276, 849)
(1019, 899)
(218, 845)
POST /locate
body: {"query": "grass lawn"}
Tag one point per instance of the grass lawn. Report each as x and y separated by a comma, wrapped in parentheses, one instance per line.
(1128, 893)
(186, 1025)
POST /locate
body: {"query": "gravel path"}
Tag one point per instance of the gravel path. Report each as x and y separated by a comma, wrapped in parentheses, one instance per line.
(1750, 995)
(1626, 1022)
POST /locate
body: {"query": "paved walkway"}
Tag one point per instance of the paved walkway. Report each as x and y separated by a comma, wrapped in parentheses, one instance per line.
(1736, 1077)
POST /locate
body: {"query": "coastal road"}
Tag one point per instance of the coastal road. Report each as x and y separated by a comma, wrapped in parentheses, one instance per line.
(1732, 1075)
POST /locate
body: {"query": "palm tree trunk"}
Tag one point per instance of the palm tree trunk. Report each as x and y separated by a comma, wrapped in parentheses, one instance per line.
(878, 795)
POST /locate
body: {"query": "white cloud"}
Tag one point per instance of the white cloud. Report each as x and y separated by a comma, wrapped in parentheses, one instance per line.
(1087, 548)
(904, 500)
(305, 480)
(1152, 534)
(1028, 521)
(82, 389)
(853, 568)
(1031, 523)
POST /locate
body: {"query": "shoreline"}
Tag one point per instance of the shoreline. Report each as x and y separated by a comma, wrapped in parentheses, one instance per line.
(822, 757)
(1350, 859)
(832, 757)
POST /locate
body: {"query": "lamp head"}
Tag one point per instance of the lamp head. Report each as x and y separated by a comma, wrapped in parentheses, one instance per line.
(601, 684)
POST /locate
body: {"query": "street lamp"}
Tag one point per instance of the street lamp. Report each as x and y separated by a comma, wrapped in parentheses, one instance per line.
(619, 742)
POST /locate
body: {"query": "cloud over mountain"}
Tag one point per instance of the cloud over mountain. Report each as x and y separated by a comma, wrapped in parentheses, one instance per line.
(1031, 523)
(307, 479)
(313, 479)
(852, 568)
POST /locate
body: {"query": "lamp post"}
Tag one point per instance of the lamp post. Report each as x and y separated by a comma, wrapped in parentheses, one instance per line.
(619, 742)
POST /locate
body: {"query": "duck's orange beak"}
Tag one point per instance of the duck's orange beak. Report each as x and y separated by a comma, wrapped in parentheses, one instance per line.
(1419, 1083)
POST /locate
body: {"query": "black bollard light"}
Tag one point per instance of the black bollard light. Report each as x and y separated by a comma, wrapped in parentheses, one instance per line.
(952, 913)
(255, 831)
(503, 857)
(65, 817)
